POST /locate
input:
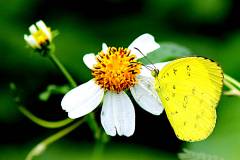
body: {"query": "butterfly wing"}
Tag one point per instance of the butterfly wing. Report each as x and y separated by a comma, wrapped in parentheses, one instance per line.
(190, 89)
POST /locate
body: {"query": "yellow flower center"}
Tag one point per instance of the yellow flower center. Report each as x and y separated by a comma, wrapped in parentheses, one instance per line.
(116, 70)
(41, 37)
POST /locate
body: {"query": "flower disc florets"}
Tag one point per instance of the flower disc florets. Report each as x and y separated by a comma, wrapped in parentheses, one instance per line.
(116, 70)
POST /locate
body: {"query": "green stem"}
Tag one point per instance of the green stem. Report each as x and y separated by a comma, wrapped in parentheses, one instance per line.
(233, 85)
(44, 123)
(63, 69)
(233, 91)
(90, 117)
(35, 119)
(229, 85)
(98, 150)
(40, 147)
(232, 81)
(93, 125)
(99, 146)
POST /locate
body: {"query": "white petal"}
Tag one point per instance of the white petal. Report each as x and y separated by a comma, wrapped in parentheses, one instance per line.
(82, 99)
(118, 114)
(104, 48)
(146, 71)
(145, 43)
(107, 117)
(146, 96)
(32, 29)
(89, 60)
(31, 41)
(42, 26)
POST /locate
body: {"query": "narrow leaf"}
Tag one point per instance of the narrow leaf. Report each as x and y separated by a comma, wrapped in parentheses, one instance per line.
(53, 89)
(167, 51)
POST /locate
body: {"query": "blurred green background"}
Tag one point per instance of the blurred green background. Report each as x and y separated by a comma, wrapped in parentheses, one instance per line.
(209, 28)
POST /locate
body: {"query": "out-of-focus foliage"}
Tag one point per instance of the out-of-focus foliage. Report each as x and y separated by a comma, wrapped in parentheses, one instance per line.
(190, 155)
(76, 151)
(208, 28)
(197, 11)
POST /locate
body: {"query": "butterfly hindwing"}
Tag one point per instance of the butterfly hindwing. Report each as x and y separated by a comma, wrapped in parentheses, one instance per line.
(190, 89)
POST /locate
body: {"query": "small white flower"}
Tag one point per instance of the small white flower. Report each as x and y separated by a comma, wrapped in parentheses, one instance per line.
(40, 35)
(116, 70)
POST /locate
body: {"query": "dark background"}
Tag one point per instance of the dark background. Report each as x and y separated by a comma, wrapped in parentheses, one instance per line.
(208, 28)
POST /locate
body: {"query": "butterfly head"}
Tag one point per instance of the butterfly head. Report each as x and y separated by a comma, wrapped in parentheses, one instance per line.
(155, 72)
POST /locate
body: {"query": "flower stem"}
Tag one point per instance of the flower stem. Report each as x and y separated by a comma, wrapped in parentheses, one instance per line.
(232, 81)
(35, 119)
(55, 60)
(90, 117)
(99, 146)
(233, 91)
(40, 147)
(93, 125)
(44, 123)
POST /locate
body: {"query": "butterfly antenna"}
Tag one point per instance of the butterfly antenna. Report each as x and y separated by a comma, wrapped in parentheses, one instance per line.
(154, 68)
(148, 67)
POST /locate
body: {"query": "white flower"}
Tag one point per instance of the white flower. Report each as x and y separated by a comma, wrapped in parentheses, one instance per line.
(114, 71)
(40, 35)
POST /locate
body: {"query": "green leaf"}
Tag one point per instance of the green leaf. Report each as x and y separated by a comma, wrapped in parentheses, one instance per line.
(53, 89)
(167, 52)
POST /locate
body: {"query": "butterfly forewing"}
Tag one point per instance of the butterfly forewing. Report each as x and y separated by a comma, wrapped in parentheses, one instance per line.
(190, 89)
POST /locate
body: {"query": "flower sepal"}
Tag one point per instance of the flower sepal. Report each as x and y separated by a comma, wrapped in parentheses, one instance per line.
(45, 50)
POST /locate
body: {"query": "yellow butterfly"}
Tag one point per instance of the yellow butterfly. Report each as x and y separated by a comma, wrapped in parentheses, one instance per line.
(190, 89)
